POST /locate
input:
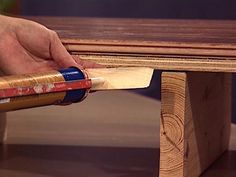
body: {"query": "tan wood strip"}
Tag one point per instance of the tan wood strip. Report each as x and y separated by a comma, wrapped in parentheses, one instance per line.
(184, 63)
(164, 50)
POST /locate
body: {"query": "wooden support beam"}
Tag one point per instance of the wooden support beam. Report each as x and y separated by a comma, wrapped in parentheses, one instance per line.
(195, 121)
(3, 124)
(3, 127)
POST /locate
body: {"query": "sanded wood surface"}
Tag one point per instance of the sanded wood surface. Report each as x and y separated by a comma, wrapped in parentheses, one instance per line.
(193, 45)
(195, 121)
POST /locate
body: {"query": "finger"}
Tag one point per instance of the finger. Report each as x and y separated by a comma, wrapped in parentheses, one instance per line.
(49, 63)
(14, 59)
(45, 66)
(59, 53)
(17, 60)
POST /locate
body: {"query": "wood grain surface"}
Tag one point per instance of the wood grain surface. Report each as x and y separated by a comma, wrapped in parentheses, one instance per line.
(195, 45)
(195, 121)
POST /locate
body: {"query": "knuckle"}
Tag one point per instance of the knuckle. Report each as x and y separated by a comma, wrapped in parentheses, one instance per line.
(54, 34)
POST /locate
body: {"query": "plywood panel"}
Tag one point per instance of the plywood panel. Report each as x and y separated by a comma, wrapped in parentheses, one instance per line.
(193, 45)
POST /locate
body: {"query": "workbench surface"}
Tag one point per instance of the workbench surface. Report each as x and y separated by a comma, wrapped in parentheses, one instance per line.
(194, 119)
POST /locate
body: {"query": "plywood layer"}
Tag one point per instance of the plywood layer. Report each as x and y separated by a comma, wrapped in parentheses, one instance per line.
(196, 45)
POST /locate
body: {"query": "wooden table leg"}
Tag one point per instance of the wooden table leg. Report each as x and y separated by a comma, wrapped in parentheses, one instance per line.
(195, 121)
(3, 127)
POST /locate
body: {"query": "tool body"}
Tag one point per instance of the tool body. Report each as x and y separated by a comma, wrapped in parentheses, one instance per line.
(67, 86)
(32, 90)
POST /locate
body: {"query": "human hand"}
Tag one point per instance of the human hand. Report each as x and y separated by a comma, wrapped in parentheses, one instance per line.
(27, 47)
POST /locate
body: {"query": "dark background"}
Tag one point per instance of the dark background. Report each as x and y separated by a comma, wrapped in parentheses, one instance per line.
(175, 9)
(201, 9)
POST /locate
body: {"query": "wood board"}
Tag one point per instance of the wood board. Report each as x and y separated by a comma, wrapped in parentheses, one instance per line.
(195, 121)
(189, 45)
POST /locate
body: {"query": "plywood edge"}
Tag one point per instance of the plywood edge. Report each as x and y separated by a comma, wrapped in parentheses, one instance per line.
(162, 62)
(152, 49)
(113, 42)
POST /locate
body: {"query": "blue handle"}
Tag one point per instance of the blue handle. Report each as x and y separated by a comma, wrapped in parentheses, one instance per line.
(71, 74)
